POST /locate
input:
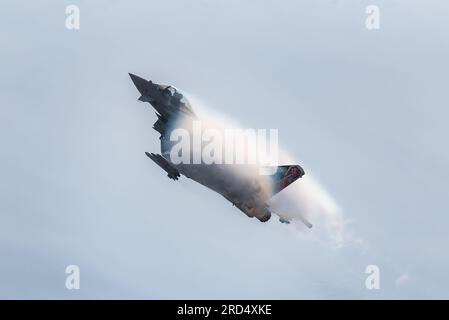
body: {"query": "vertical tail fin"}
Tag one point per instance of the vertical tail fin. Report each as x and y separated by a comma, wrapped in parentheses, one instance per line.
(285, 176)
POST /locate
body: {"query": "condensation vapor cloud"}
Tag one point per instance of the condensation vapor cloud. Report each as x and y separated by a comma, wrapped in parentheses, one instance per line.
(308, 198)
(305, 198)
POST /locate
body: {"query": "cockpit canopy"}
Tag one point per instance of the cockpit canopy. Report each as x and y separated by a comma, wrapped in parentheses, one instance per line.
(170, 91)
(175, 96)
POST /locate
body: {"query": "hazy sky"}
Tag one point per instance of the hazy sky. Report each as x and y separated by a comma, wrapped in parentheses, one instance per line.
(366, 112)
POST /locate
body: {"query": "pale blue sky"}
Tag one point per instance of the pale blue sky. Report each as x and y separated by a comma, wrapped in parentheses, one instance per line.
(365, 111)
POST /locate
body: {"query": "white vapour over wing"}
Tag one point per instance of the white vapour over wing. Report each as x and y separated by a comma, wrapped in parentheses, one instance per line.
(305, 198)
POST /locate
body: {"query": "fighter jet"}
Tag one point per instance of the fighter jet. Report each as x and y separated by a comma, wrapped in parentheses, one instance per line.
(245, 191)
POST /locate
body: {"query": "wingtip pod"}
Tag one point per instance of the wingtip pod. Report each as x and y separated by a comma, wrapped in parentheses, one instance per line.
(152, 156)
(307, 223)
(300, 218)
(167, 166)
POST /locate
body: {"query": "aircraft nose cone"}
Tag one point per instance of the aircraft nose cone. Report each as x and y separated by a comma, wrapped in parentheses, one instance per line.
(133, 76)
(138, 82)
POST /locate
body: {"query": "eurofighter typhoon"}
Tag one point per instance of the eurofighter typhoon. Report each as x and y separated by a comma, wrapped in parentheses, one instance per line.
(245, 189)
